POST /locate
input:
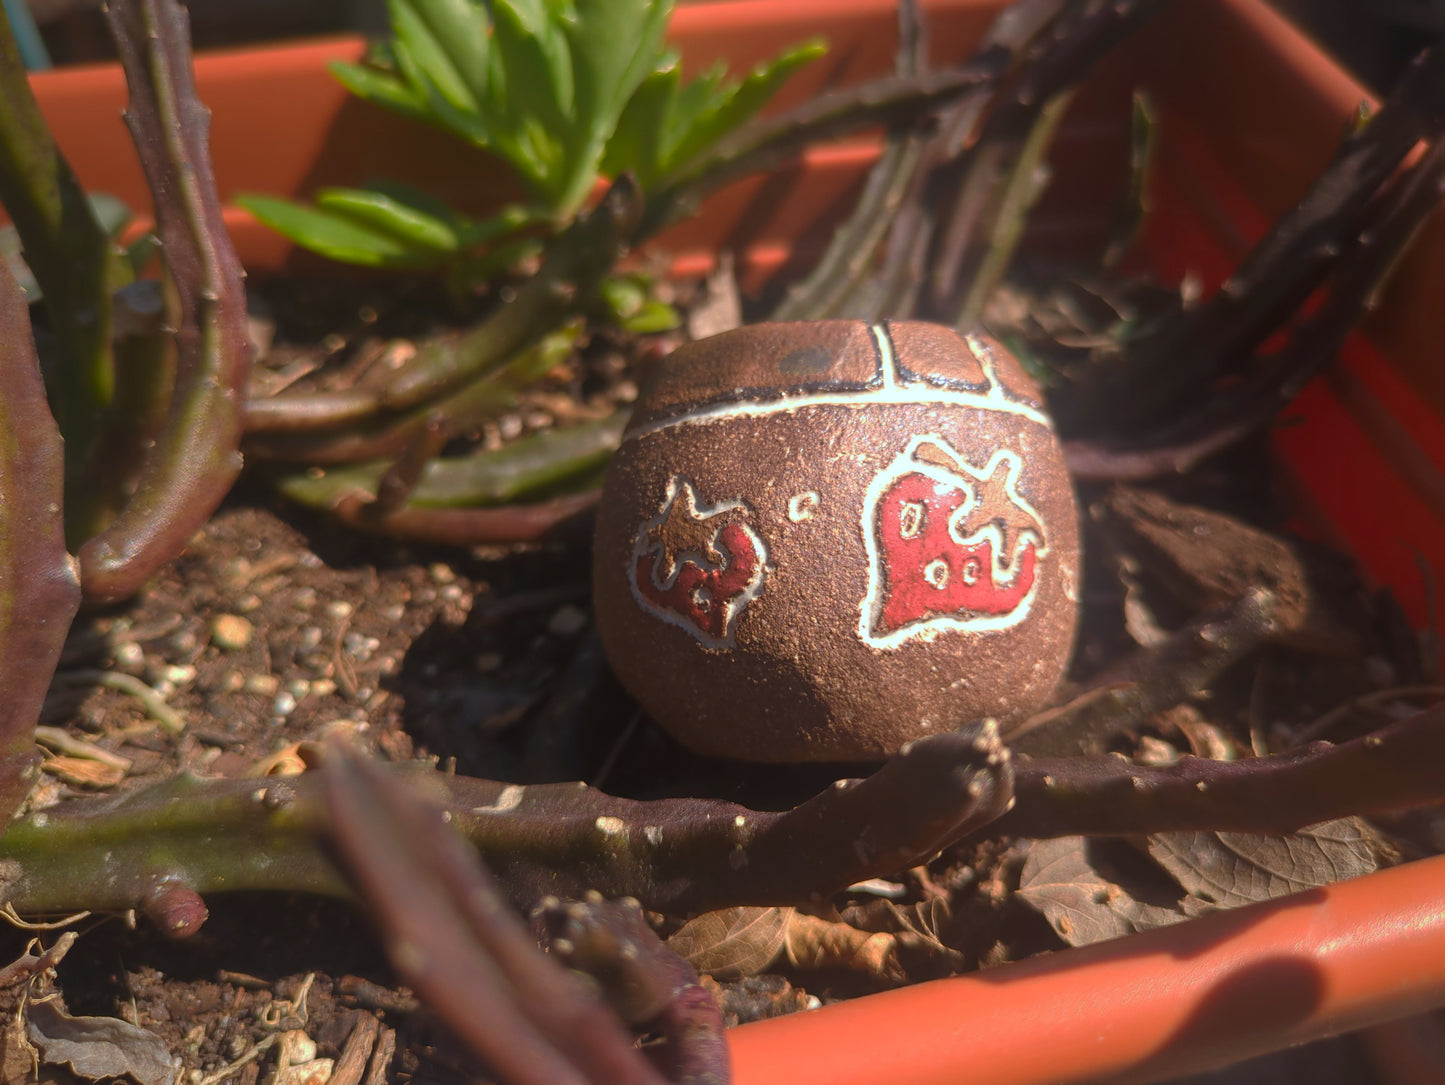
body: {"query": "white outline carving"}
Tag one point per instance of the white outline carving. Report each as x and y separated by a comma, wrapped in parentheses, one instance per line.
(734, 606)
(803, 506)
(996, 398)
(905, 464)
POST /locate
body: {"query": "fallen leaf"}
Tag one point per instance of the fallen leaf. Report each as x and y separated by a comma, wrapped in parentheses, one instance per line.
(18, 1059)
(83, 772)
(824, 943)
(734, 941)
(97, 1047)
(1093, 890)
(1230, 869)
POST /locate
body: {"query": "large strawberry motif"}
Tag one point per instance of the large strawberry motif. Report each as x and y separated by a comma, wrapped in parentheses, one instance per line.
(696, 566)
(951, 545)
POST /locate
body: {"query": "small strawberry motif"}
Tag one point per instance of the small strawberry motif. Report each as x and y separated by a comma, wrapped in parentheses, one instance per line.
(952, 546)
(698, 566)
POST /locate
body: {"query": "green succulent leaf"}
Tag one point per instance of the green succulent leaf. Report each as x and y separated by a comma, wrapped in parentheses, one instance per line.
(335, 235)
(565, 91)
(666, 124)
(410, 221)
(383, 87)
(631, 304)
(449, 41)
(717, 109)
(396, 226)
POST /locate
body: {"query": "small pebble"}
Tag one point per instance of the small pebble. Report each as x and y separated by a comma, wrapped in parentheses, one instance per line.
(183, 642)
(567, 621)
(231, 631)
(441, 573)
(284, 704)
(339, 608)
(129, 657)
(178, 674)
(359, 647)
(264, 684)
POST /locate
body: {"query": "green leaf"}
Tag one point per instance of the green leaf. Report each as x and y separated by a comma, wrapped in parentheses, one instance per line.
(734, 104)
(665, 125)
(112, 212)
(533, 99)
(462, 30)
(615, 44)
(431, 55)
(630, 303)
(537, 58)
(470, 125)
(383, 88)
(337, 236)
(638, 140)
(652, 317)
(475, 233)
(413, 218)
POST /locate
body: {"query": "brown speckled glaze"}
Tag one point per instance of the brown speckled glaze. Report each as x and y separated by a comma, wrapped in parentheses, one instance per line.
(821, 540)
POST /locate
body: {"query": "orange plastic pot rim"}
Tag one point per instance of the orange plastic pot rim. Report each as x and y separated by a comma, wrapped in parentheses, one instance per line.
(1200, 994)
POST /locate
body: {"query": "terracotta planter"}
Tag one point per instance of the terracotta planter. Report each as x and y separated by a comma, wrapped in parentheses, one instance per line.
(1250, 112)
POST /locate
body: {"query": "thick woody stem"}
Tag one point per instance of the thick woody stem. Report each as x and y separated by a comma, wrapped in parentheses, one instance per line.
(1396, 768)
(975, 188)
(77, 268)
(1297, 253)
(454, 938)
(685, 856)
(646, 982)
(39, 588)
(764, 145)
(196, 457)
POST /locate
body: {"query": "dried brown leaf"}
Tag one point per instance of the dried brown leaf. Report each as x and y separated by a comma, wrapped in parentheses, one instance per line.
(98, 1047)
(83, 772)
(1089, 891)
(824, 943)
(733, 942)
(19, 1062)
(926, 920)
(1230, 869)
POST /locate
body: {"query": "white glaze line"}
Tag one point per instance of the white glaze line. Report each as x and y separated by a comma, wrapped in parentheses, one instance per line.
(891, 393)
(887, 360)
(915, 395)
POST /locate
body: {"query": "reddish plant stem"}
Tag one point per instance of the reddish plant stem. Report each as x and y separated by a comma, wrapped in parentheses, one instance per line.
(196, 457)
(453, 938)
(39, 588)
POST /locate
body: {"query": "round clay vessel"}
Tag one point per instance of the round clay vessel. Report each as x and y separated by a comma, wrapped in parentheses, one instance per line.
(821, 540)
